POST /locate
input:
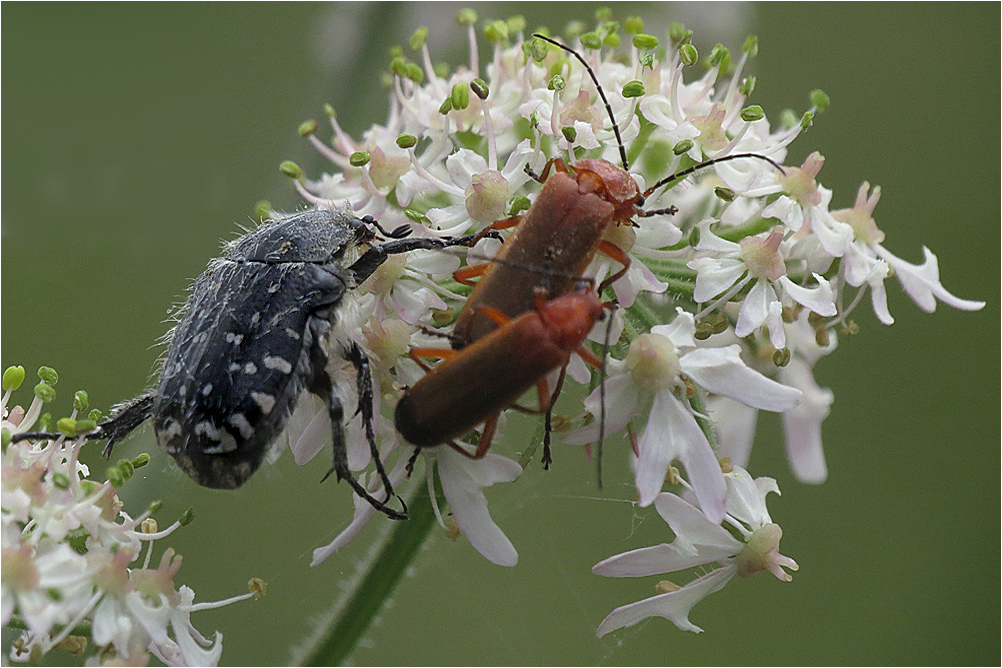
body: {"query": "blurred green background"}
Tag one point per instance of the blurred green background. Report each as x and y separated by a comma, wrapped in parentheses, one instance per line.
(136, 137)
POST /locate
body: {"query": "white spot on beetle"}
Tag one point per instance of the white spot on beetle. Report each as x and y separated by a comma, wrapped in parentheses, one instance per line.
(277, 363)
(292, 333)
(235, 366)
(256, 318)
(265, 401)
(274, 287)
(171, 429)
(207, 390)
(181, 391)
(207, 429)
(250, 368)
(235, 339)
(239, 420)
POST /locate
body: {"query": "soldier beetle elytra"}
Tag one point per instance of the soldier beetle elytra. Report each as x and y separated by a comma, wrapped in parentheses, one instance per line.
(474, 385)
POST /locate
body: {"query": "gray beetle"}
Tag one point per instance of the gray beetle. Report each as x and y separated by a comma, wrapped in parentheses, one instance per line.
(255, 335)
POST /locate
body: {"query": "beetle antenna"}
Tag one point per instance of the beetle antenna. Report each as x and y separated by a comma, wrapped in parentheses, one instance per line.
(608, 107)
(601, 396)
(678, 176)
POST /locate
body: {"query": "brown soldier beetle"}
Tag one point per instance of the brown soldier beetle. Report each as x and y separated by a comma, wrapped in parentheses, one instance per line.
(509, 314)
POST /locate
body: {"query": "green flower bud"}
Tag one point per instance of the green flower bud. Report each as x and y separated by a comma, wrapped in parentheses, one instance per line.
(569, 133)
(359, 159)
(516, 24)
(95, 415)
(126, 467)
(678, 35)
(591, 40)
(820, 100)
(752, 113)
(573, 29)
(398, 66)
(634, 89)
(45, 392)
(262, 210)
(460, 96)
(307, 128)
(750, 46)
(633, 25)
(139, 461)
(442, 70)
(187, 517)
(154, 506)
(807, 121)
(647, 59)
(719, 55)
(446, 106)
(688, 54)
(13, 377)
(407, 141)
(612, 40)
(723, 193)
(682, 147)
(329, 110)
(115, 477)
(694, 236)
(466, 17)
(396, 51)
(518, 205)
(291, 169)
(781, 357)
(603, 14)
(538, 49)
(80, 400)
(747, 86)
(556, 83)
(85, 426)
(61, 480)
(48, 374)
(496, 32)
(417, 217)
(414, 72)
(645, 42)
(418, 38)
(479, 88)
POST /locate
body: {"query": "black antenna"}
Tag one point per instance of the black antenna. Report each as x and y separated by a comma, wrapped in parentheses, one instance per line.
(678, 176)
(608, 107)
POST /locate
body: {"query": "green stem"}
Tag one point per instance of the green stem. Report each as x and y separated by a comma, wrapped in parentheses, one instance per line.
(334, 645)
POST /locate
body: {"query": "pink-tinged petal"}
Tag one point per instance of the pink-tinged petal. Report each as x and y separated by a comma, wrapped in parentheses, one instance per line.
(921, 282)
(819, 299)
(412, 302)
(714, 276)
(721, 371)
(658, 232)
(802, 425)
(469, 505)
(463, 165)
(786, 210)
(695, 530)
(673, 606)
(711, 243)
(834, 236)
(736, 425)
(754, 308)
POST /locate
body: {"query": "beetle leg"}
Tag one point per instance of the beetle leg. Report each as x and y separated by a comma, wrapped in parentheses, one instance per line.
(319, 383)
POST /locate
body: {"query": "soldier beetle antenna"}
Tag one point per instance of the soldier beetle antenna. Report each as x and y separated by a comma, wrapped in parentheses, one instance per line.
(594, 78)
(622, 149)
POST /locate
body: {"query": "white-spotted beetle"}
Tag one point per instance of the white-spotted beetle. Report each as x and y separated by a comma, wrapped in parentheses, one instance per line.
(254, 335)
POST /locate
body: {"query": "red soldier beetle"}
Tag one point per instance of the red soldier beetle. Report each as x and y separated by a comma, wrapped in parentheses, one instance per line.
(473, 385)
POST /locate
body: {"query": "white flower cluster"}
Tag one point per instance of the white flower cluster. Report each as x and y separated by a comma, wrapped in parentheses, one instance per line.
(69, 547)
(737, 284)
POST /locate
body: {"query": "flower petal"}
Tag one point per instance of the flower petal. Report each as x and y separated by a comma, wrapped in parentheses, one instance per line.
(721, 371)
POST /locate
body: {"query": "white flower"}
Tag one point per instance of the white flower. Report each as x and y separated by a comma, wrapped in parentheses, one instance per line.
(698, 542)
(672, 432)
